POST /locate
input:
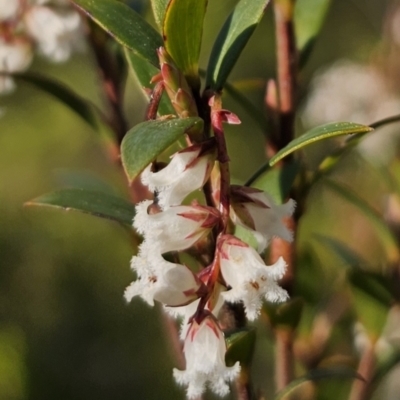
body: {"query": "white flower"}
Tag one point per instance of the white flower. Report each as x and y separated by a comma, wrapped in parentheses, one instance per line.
(8, 9)
(188, 171)
(56, 31)
(204, 350)
(169, 283)
(15, 56)
(257, 210)
(249, 278)
(177, 228)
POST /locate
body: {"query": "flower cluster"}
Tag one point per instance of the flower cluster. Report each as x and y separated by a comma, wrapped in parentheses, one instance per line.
(50, 27)
(237, 272)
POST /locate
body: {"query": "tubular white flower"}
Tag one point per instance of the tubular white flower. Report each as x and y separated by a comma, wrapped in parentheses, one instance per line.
(204, 350)
(15, 56)
(56, 31)
(8, 9)
(249, 278)
(188, 171)
(257, 211)
(169, 283)
(177, 228)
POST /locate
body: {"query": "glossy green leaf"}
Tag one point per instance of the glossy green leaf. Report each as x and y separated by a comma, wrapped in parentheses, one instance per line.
(319, 133)
(144, 72)
(159, 9)
(145, 141)
(383, 232)
(80, 106)
(92, 202)
(309, 16)
(232, 39)
(278, 182)
(316, 375)
(182, 32)
(240, 346)
(125, 25)
(372, 299)
(287, 314)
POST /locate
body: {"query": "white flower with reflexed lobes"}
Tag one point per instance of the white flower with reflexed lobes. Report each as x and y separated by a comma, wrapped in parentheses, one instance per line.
(15, 56)
(257, 211)
(188, 170)
(205, 350)
(249, 278)
(177, 228)
(56, 31)
(169, 283)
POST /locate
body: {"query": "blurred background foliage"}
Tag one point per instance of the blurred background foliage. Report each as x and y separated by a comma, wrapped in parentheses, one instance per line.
(65, 330)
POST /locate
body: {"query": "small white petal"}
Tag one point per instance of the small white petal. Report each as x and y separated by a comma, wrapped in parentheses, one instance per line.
(8, 9)
(249, 278)
(15, 56)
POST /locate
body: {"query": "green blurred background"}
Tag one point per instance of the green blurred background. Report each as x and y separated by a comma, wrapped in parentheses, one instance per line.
(65, 329)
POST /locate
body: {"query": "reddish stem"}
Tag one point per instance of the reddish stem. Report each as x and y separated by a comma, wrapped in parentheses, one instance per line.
(154, 102)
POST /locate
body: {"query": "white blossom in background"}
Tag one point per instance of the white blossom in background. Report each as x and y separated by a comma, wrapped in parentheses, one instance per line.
(250, 279)
(187, 171)
(204, 349)
(348, 91)
(177, 228)
(257, 211)
(51, 28)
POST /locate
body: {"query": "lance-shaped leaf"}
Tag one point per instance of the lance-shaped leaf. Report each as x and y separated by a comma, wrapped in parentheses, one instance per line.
(240, 346)
(145, 141)
(319, 133)
(372, 294)
(309, 16)
(316, 375)
(80, 106)
(144, 72)
(278, 182)
(182, 32)
(125, 25)
(383, 232)
(159, 9)
(92, 202)
(231, 40)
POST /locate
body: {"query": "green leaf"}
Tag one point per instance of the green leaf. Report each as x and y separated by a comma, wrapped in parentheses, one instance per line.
(277, 182)
(144, 72)
(383, 232)
(92, 202)
(80, 106)
(372, 299)
(231, 40)
(309, 16)
(159, 9)
(316, 375)
(240, 345)
(145, 141)
(125, 25)
(182, 32)
(287, 314)
(342, 250)
(319, 133)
